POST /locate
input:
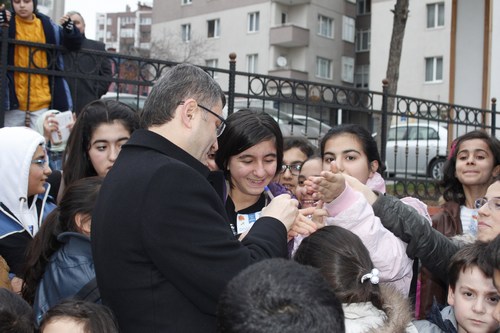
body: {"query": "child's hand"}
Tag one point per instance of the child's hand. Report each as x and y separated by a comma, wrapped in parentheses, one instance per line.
(327, 187)
(303, 225)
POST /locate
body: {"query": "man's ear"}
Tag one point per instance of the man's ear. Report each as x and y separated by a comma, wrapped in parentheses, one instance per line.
(83, 222)
(451, 296)
(188, 112)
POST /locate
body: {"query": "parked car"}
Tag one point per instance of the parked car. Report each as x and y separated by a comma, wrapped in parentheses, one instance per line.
(297, 125)
(417, 149)
(313, 125)
(136, 102)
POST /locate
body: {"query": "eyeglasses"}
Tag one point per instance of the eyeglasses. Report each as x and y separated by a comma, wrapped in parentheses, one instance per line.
(294, 168)
(41, 163)
(493, 204)
(221, 127)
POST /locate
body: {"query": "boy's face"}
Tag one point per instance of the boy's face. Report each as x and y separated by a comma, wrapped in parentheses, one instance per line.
(474, 301)
(23, 8)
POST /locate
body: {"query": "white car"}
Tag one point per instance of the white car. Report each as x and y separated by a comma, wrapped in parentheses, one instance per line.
(135, 101)
(416, 149)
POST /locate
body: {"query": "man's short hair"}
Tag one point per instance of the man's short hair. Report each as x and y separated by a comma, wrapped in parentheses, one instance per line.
(477, 255)
(175, 86)
(278, 295)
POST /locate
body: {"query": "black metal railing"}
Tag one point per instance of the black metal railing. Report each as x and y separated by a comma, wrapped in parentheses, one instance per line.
(303, 108)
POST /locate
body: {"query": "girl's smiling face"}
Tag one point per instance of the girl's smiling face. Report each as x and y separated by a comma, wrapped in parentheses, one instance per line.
(253, 169)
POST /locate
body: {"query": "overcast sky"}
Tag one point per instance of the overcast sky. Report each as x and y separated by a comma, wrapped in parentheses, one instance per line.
(89, 9)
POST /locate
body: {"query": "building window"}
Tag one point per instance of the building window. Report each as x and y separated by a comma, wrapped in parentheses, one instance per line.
(364, 7)
(213, 28)
(186, 2)
(325, 26)
(145, 21)
(109, 21)
(363, 40)
(348, 69)
(214, 63)
(284, 18)
(434, 69)
(252, 62)
(435, 15)
(348, 29)
(362, 76)
(186, 32)
(253, 22)
(324, 68)
(127, 33)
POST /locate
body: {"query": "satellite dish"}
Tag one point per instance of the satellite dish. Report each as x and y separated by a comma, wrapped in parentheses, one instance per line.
(281, 61)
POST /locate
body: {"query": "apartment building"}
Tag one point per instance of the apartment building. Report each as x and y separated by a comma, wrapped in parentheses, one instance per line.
(302, 39)
(127, 32)
(450, 51)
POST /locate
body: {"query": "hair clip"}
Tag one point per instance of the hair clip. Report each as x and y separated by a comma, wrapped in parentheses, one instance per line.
(373, 276)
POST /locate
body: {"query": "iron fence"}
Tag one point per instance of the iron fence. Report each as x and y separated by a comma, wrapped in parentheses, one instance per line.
(413, 138)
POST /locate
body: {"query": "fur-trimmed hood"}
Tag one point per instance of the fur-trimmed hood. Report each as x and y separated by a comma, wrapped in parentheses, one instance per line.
(365, 317)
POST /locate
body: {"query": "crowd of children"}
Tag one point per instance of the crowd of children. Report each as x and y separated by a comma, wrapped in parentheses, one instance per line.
(349, 248)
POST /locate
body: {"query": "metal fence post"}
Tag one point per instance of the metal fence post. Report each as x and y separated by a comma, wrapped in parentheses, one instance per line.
(3, 70)
(493, 116)
(383, 134)
(232, 83)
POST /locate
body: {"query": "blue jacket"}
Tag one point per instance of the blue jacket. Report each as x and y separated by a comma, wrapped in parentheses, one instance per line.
(69, 269)
(14, 238)
(54, 34)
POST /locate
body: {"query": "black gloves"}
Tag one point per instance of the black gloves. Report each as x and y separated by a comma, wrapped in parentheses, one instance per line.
(68, 25)
(3, 16)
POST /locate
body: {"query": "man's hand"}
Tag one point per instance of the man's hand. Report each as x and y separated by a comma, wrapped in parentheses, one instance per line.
(67, 23)
(283, 208)
(4, 15)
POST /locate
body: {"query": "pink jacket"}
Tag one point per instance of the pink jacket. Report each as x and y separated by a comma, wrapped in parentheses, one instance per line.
(351, 211)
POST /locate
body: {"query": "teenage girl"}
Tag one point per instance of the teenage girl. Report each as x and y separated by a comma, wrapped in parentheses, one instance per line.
(250, 154)
(350, 151)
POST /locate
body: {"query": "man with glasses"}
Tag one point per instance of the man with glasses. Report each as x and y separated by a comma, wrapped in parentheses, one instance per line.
(296, 150)
(161, 240)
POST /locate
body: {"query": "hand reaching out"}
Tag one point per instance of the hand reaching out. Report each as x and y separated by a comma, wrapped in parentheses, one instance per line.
(328, 186)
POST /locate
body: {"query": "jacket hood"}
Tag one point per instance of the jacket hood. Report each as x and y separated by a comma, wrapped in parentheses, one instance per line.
(18, 145)
(396, 316)
(376, 182)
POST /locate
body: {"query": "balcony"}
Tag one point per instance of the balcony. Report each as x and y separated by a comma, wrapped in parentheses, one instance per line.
(289, 73)
(293, 2)
(289, 36)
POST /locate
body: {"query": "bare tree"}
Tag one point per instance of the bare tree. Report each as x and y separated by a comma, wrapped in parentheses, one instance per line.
(398, 32)
(171, 47)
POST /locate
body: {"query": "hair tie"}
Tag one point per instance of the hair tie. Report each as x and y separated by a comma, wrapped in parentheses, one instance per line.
(452, 149)
(373, 276)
